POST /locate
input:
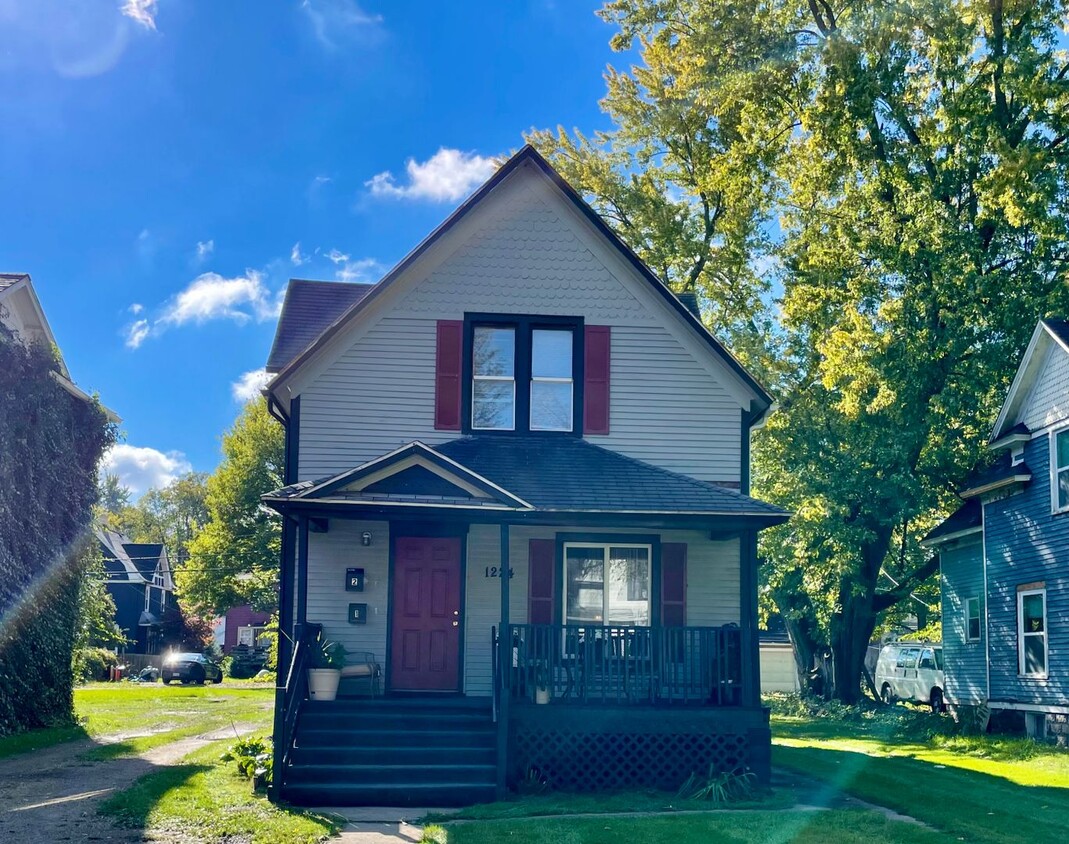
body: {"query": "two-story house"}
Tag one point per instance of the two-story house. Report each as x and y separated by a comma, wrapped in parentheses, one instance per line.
(1004, 555)
(139, 581)
(518, 474)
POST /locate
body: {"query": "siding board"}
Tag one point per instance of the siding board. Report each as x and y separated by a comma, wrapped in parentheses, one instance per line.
(962, 577)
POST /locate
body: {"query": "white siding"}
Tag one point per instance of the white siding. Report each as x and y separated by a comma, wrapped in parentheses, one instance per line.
(712, 586)
(666, 407)
(778, 673)
(1048, 403)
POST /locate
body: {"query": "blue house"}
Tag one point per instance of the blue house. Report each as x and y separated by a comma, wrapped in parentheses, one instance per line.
(139, 581)
(1004, 555)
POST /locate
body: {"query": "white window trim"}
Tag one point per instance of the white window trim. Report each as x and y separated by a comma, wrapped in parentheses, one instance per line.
(1052, 441)
(605, 546)
(1021, 634)
(968, 618)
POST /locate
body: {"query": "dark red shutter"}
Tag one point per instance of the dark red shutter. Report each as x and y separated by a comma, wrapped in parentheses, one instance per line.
(541, 580)
(673, 584)
(447, 375)
(597, 348)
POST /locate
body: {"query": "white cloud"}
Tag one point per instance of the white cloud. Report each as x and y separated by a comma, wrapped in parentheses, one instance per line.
(136, 332)
(296, 258)
(204, 249)
(334, 20)
(348, 270)
(448, 175)
(142, 11)
(211, 296)
(142, 468)
(136, 308)
(248, 386)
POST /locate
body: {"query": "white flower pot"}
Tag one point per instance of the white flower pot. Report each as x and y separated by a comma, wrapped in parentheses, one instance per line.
(323, 683)
(541, 695)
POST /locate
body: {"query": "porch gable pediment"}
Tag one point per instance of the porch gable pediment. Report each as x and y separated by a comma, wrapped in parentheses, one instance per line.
(414, 472)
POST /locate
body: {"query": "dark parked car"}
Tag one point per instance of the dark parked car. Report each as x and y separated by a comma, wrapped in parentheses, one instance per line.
(191, 668)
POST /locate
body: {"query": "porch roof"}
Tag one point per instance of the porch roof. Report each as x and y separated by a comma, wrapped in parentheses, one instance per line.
(548, 474)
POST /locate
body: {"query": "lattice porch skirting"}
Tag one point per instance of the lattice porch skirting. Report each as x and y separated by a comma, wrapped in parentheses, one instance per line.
(592, 748)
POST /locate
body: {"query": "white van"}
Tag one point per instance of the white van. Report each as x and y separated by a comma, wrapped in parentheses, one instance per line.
(912, 671)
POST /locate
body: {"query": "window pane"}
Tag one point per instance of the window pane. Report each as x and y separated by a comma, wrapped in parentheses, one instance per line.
(909, 658)
(1035, 659)
(974, 627)
(494, 352)
(1032, 613)
(584, 581)
(493, 405)
(628, 585)
(1062, 440)
(551, 354)
(1063, 488)
(939, 658)
(551, 406)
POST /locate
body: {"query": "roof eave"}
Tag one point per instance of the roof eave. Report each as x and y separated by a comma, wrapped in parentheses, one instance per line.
(958, 534)
(1001, 483)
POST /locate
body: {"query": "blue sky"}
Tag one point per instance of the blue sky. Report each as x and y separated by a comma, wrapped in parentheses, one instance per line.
(166, 165)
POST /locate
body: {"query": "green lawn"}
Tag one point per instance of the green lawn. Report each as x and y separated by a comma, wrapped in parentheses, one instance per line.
(149, 715)
(205, 799)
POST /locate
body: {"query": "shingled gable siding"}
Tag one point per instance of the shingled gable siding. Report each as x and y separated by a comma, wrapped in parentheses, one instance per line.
(665, 406)
(1025, 543)
(1049, 402)
(962, 577)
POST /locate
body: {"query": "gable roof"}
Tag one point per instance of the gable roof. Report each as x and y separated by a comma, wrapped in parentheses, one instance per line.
(1048, 333)
(310, 307)
(967, 519)
(114, 552)
(553, 474)
(11, 279)
(528, 154)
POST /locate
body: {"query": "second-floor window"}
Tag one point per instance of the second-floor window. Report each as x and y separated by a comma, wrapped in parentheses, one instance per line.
(972, 619)
(523, 373)
(1059, 465)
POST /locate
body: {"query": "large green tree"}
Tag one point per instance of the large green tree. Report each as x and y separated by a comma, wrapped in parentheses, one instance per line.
(907, 165)
(233, 559)
(171, 516)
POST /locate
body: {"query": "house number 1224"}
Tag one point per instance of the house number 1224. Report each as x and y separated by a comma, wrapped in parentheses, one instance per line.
(494, 571)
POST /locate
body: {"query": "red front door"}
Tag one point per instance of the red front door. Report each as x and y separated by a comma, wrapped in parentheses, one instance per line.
(425, 622)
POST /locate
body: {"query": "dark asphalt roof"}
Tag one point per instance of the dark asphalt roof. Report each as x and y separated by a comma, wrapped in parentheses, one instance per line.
(310, 307)
(969, 515)
(1002, 470)
(1059, 328)
(144, 555)
(568, 473)
(10, 280)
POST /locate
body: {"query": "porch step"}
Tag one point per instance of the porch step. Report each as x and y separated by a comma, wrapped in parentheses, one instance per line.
(424, 794)
(394, 751)
(388, 754)
(340, 736)
(418, 774)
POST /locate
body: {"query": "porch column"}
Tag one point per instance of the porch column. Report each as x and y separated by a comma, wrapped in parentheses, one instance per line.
(302, 570)
(751, 652)
(285, 647)
(504, 657)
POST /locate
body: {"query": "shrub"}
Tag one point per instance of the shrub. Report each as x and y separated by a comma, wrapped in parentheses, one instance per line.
(719, 788)
(93, 664)
(254, 760)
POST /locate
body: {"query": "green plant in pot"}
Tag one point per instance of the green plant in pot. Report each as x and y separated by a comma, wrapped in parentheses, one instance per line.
(324, 673)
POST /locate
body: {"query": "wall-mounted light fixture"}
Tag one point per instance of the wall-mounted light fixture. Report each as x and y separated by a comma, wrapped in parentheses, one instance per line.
(365, 538)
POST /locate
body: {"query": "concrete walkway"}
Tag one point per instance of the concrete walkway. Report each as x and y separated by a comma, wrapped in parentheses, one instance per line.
(375, 825)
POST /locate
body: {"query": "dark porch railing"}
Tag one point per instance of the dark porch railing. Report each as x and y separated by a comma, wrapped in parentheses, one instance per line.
(297, 683)
(623, 665)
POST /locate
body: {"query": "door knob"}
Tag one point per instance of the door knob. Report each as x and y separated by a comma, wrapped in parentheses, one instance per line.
(456, 612)
(456, 623)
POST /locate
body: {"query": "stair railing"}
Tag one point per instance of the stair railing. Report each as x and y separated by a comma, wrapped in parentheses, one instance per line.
(297, 683)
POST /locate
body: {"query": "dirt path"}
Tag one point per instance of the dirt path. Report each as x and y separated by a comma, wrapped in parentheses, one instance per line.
(53, 794)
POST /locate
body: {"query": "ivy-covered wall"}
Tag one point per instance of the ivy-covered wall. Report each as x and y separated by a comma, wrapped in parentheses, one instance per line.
(50, 445)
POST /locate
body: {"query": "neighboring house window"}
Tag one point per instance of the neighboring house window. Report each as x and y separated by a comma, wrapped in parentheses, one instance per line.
(493, 369)
(1032, 632)
(522, 373)
(1017, 455)
(972, 619)
(607, 584)
(253, 637)
(1059, 462)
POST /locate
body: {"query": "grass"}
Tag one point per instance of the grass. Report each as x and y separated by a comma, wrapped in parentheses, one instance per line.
(831, 827)
(142, 716)
(206, 799)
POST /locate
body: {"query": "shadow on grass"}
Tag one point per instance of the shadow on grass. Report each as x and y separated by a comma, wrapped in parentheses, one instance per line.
(969, 804)
(39, 739)
(132, 807)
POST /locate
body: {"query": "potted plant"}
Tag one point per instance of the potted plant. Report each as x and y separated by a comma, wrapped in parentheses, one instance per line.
(542, 693)
(324, 672)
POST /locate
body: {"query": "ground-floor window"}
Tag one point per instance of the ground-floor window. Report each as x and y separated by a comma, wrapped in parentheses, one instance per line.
(972, 619)
(1032, 632)
(607, 583)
